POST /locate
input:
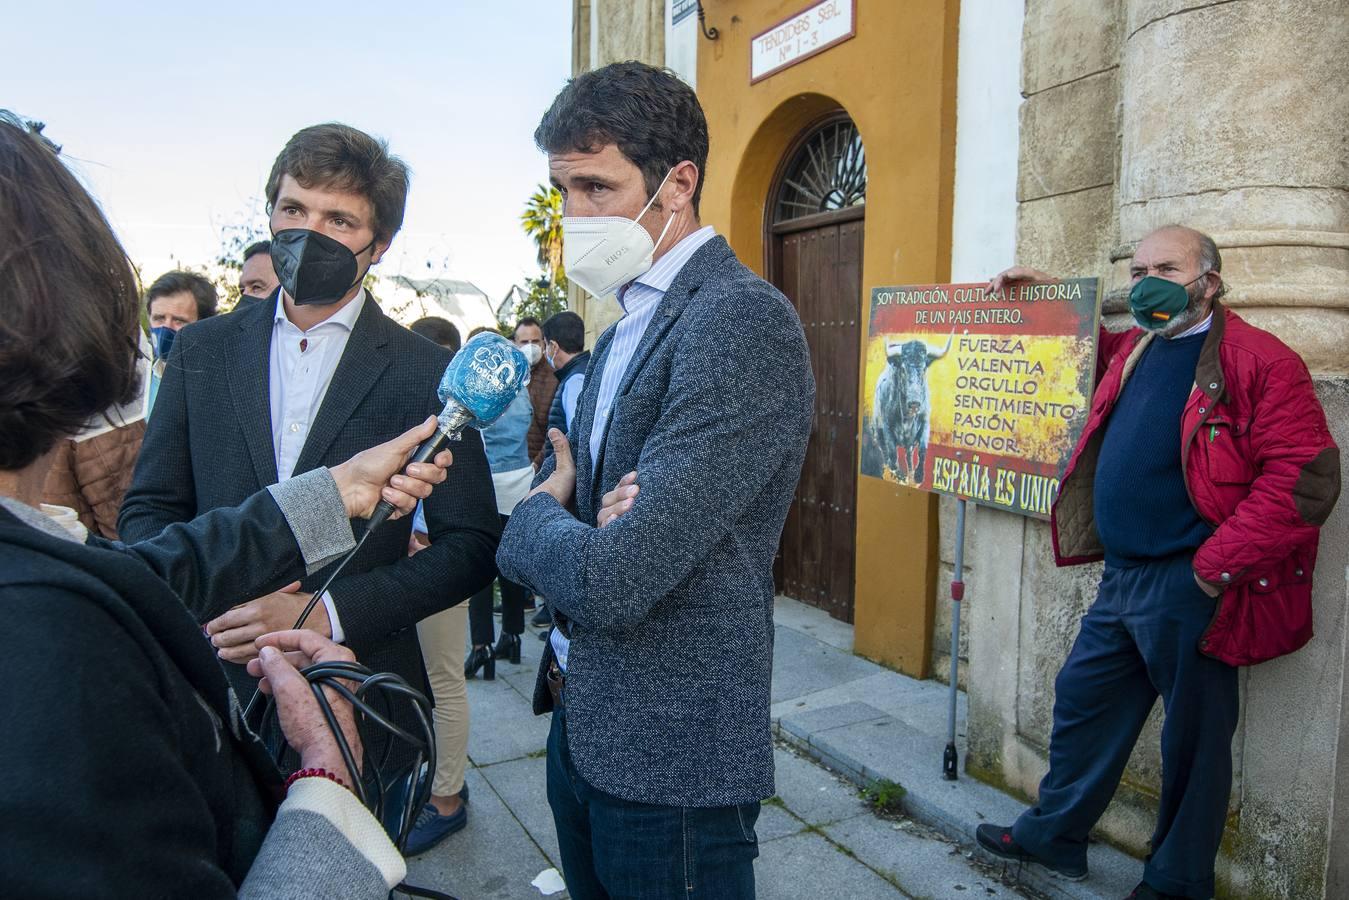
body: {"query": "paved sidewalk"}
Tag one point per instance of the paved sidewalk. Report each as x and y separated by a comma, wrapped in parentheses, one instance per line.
(870, 723)
(817, 837)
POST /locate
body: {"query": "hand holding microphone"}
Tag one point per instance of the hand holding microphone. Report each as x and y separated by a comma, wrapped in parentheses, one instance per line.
(478, 385)
(372, 477)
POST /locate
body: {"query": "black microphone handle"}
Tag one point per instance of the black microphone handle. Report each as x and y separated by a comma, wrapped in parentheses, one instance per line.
(425, 453)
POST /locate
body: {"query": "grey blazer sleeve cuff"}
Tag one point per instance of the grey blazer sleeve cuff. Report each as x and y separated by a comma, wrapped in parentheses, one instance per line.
(313, 508)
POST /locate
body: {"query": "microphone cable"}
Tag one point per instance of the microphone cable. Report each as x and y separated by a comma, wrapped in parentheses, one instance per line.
(309, 607)
(360, 687)
(388, 686)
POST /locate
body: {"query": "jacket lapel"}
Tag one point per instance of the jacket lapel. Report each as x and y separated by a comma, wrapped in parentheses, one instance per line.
(362, 362)
(684, 286)
(248, 370)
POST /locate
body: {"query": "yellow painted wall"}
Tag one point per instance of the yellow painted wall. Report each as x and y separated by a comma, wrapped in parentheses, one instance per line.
(896, 79)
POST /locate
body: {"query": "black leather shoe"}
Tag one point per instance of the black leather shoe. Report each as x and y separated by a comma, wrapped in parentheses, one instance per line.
(999, 841)
(481, 658)
(508, 648)
(542, 619)
(1145, 891)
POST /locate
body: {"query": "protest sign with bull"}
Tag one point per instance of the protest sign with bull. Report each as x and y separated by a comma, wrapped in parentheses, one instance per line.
(980, 396)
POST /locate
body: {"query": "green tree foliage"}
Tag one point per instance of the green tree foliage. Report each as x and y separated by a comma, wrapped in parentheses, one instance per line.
(542, 299)
(542, 221)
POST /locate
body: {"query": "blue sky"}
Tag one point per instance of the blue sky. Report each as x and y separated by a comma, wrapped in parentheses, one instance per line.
(173, 116)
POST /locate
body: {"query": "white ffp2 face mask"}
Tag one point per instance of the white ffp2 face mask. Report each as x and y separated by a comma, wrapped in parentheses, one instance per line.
(603, 253)
(532, 354)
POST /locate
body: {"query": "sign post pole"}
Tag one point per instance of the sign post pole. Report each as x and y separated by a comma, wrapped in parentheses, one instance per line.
(980, 396)
(950, 759)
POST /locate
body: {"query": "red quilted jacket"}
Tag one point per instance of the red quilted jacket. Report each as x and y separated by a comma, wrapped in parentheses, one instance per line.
(1260, 466)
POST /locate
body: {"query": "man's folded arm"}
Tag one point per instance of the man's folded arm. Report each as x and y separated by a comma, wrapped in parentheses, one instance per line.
(722, 435)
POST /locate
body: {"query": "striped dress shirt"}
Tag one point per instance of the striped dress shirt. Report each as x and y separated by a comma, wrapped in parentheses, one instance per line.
(639, 299)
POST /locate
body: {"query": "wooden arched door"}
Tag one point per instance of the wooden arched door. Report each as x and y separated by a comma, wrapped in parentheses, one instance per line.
(814, 226)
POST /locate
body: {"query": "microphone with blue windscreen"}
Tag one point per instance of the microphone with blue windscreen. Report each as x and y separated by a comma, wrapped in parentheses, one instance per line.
(478, 385)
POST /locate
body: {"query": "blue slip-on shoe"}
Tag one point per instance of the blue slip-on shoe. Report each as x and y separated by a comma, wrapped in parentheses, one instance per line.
(397, 793)
(431, 828)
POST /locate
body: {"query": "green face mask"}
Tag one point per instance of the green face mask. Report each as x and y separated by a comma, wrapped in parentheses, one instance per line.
(1155, 301)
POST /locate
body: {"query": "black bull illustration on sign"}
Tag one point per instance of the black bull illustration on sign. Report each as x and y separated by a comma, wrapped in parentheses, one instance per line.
(900, 413)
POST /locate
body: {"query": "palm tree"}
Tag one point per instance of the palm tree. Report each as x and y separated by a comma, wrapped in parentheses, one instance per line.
(542, 221)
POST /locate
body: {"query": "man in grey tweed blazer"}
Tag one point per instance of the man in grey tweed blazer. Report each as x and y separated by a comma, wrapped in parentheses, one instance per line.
(658, 672)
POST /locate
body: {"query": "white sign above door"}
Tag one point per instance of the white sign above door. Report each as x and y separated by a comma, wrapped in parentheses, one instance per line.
(797, 38)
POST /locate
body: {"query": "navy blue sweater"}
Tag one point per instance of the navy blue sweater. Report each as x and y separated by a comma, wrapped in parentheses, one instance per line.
(1143, 510)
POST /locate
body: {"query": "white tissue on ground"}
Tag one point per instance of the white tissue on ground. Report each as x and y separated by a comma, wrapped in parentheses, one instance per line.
(549, 881)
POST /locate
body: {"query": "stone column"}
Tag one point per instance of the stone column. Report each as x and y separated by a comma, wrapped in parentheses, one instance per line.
(580, 36)
(1234, 120)
(627, 29)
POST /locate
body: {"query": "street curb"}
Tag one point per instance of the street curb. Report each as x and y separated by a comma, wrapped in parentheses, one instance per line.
(926, 810)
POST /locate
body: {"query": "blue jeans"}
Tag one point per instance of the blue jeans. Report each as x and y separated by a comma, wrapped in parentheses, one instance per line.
(615, 848)
(1140, 640)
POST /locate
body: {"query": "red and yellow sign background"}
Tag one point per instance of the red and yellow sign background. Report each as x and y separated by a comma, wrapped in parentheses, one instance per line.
(1005, 404)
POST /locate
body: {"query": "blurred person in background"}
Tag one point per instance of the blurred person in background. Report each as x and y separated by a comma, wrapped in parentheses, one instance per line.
(257, 276)
(177, 299)
(438, 331)
(564, 336)
(512, 473)
(528, 336)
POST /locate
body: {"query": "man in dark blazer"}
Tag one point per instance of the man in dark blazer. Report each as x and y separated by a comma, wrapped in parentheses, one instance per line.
(659, 669)
(306, 380)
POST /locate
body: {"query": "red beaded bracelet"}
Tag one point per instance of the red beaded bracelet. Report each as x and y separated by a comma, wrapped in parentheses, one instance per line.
(313, 773)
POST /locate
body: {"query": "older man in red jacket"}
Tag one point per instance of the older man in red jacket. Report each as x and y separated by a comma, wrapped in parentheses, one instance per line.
(1202, 478)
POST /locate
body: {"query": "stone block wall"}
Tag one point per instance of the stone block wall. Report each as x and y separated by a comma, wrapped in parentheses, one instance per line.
(1230, 117)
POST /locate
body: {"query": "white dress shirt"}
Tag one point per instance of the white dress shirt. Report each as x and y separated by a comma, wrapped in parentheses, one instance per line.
(301, 365)
(639, 299)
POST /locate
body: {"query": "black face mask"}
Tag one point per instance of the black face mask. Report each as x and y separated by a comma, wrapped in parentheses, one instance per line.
(312, 267)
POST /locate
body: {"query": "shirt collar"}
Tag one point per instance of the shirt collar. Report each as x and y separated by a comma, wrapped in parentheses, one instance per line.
(662, 273)
(345, 317)
(1197, 329)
